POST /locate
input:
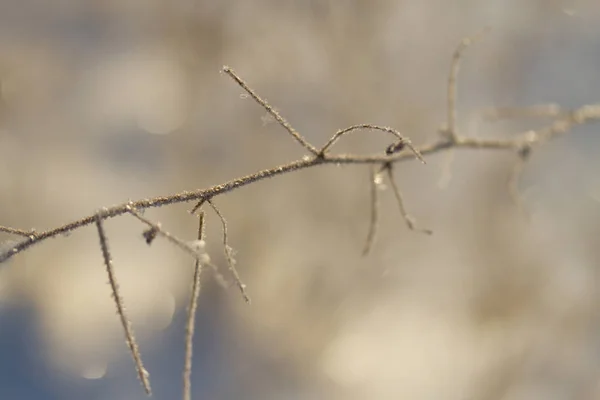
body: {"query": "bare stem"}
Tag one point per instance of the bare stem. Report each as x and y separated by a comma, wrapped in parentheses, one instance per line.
(229, 253)
(402, 141)
(374, 215)
(143, 375)
(410, 221)
(19, 232)
(282, 121)
(450, 129)
(533, 138)
(515, 177)
(191, 319)
(167, 235)
(535, 111)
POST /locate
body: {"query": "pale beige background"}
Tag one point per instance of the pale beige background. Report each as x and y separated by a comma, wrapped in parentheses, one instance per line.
(104, 101)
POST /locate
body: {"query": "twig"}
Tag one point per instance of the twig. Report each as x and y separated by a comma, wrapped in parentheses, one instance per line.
(143, 375)
(201, 225)
(535, 111)
(157, 229)
(394, 148)
(19, 232)
(197, 206)
(450, 130)
(533, 138)
(191, 318)
(374, 215)
(221, 281)
(410, 221)
(229, 251)
(282, 121)
(515, 177)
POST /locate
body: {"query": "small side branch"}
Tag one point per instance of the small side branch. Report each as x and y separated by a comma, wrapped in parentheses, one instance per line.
(229, 253)
(585, 114)
(191, 318)
(450, 129)
(157, 229)
(515, 177)
(391, 149)
(197, 206)
(282, 121)
(374, 215)
(143, 375)
(410, 221)
(535, 111)
(19, 232)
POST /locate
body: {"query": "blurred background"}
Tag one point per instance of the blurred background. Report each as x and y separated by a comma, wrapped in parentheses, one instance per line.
(104, 101)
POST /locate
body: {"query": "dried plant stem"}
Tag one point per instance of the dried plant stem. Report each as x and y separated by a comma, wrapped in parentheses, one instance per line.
(197, 206)
(535, 111)
(402, 141)
(129, 336)
(229, 252)
(191, 319)
(410, 221)
(374, 215)
(219, 278)
(182, 244)
(450, 130)
(531, 138)
(282, 121)
(18, 232)
(515, 177)
(167, 235)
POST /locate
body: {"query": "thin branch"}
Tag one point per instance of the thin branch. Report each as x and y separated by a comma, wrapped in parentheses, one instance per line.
(18, 232)
(157, 229)
(515, 177)
(219, 278)
(450, 129)
(282, 121)
(535, 111)
(564, 125)
(197, 206)
(194, 251)
(229, 252)
(374, 215)
(394, 148)
(410, 221)
(532, 138)
(201, 225)
(143, 375)
(191, 318)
